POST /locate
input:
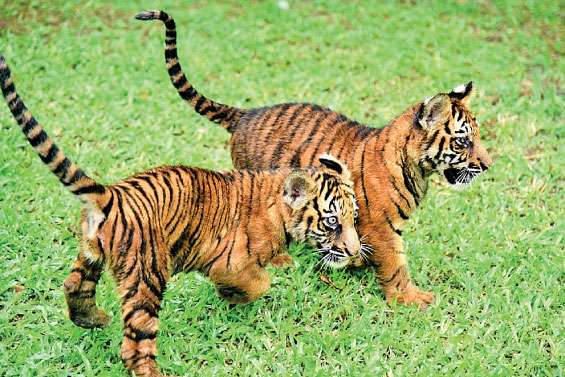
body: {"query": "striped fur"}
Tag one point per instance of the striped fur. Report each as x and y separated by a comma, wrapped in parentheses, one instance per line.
(69, 174)
(228, 226)
(214, 111)
(390, 166)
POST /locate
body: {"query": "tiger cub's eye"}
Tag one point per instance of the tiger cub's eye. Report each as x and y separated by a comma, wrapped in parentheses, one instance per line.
(463, 141)
(331, 222)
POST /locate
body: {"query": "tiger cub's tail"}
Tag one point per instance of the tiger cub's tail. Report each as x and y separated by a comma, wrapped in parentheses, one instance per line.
(70, 175)
(225, 115)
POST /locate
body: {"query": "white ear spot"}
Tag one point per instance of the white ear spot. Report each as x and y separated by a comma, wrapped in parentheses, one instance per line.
(427, 100)
(459, 89)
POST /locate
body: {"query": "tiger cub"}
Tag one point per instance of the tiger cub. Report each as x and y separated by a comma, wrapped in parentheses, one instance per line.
(390, 166)
(228, 226)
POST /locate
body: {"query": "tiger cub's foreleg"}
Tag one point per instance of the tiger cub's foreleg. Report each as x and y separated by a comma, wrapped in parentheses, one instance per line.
(282, 260)
(80, 291)
(245, 286)
(391, 263)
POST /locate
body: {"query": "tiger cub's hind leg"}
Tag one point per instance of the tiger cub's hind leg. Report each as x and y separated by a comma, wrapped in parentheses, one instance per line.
(80, 291)
(142, 292)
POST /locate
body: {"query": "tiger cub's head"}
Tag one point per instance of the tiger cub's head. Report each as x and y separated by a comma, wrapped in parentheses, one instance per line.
(324, 210)
(452, 146)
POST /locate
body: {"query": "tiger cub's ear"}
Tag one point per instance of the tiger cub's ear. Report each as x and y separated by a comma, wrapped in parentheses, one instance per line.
(334, 164)
(435, 111)
(463, 93)
(299, 188)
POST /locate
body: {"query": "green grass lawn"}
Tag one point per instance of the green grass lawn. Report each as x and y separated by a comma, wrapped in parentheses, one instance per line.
(493, 254)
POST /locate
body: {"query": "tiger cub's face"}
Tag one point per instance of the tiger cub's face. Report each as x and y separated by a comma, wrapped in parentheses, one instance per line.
(453, 146)
(327, 217)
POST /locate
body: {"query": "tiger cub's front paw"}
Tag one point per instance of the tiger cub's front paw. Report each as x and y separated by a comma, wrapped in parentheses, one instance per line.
(281, 261)
(412, 295)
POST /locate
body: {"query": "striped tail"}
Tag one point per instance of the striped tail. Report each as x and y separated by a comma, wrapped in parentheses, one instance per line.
(225, 115)
(69, 174)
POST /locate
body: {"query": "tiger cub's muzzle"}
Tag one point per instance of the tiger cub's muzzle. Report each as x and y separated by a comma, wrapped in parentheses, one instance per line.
(346, 248)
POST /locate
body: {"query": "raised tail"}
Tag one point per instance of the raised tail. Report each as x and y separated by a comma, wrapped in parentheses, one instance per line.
(225, 115)
(70, 175)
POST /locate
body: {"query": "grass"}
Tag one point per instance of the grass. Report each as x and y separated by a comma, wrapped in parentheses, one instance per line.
(492, 254)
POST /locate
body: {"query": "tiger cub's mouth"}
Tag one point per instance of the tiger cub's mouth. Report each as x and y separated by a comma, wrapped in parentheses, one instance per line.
(333, 259)
(460, 177)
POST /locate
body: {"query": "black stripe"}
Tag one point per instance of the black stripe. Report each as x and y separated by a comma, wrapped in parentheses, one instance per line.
(8, 89)
(77, 175)
(38, 139)
(409, 186)
(169, 187)
(249, 208)
(210, 108)
(170, 53)
(187, 94)
(113, 230)
(144, 195)
(397, 189)
(125, 246)
(79, 270)
(219, 116)
(90, 189)
(174, 217)
(432, 140)
(206, 268)
(431, 162)
(174, 69)
(179, 242)
(199, 104)
(180, 83)
(29, 126)
(119, 197)
(51, 153)
(144, 307)
(140, 335)
(393, 276)
(149, 181)
(397, 231)
(61, 169)
(137, 356)
(400, 211)
(440, 148)
(170, 33)
(363, 174)
(108, 207)
(446, 127)
(18, 108)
